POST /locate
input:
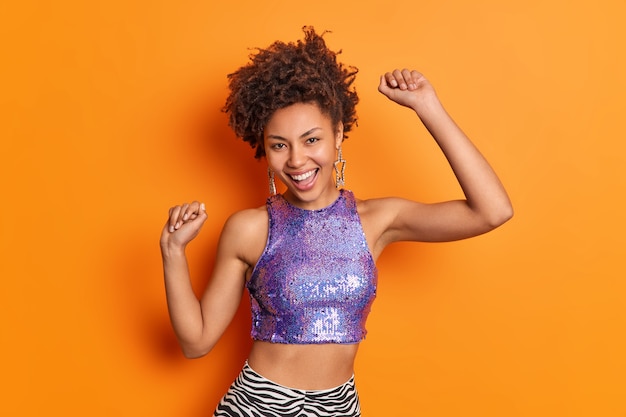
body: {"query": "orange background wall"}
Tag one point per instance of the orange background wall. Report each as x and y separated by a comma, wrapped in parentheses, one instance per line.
(111, 113)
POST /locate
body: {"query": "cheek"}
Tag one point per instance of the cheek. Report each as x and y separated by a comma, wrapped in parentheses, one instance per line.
(328, 156)
(320, 157)
(275, 161)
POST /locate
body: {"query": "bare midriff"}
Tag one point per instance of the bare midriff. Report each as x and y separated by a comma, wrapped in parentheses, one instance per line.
(306, 367)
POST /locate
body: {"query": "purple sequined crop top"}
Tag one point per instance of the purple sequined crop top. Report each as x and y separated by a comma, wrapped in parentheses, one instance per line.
(316, 279)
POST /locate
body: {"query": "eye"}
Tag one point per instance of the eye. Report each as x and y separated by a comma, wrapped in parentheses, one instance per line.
(312, 140)
(277, 146)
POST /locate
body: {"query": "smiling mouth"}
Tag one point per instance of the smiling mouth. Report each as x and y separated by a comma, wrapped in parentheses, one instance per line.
(304, 176)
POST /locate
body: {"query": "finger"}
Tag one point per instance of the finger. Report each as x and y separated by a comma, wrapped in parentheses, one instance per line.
(399, 79)
(190, 228)
(180, 219)
(416, 77)
(192, 211)
(184, 212)
(173, 219)
(408, 79)
(202, 214)
(382, 83)
(390, 80)
(383, 86)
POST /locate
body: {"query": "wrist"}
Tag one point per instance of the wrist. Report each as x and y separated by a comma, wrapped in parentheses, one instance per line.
(170, 250)
(427, 104)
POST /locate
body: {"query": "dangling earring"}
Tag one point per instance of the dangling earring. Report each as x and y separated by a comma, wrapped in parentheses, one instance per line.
(340, 171)
(270, 176)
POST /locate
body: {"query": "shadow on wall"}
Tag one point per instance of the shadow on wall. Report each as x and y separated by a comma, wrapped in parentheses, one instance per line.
(238, 179)
(147, 341)
(240, 182)
(227, 174)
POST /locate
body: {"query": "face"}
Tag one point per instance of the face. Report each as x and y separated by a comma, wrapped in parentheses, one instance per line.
(301, 148)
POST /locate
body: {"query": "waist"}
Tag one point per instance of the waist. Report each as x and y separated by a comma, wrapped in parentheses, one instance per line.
(305, 367)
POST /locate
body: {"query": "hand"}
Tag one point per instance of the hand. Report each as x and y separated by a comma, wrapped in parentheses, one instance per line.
(183, 224)
(407, 88)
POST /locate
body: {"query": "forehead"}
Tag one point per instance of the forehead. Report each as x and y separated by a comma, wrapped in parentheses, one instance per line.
(296, 119)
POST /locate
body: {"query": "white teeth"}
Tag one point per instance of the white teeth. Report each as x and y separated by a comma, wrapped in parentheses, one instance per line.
(304, 176)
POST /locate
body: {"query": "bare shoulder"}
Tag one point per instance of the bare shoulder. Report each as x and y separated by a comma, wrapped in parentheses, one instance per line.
(245, 232)
(247, 220)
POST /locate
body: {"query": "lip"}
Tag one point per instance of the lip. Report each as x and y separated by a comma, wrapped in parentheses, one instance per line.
(302, 174)
(305, 183)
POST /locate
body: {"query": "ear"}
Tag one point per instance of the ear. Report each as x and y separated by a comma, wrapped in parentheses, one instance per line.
(339, 135)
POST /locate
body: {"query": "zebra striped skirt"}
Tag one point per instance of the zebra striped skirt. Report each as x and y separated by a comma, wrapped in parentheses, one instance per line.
(252, 395)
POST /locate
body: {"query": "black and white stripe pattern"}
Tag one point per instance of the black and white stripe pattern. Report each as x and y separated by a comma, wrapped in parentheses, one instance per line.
(251, 395)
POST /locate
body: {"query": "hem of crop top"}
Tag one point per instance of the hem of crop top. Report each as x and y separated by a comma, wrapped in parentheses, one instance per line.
(316, 342)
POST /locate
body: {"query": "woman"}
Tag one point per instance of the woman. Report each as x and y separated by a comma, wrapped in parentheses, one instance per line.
(308, 256)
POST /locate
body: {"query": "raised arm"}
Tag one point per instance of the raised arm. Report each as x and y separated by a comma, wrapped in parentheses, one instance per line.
(486, 203)
(199, 323)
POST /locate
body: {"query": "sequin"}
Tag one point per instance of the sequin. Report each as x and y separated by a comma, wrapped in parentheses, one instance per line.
(316, 279)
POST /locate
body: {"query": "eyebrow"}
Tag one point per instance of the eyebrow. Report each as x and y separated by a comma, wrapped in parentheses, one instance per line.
(305, 134)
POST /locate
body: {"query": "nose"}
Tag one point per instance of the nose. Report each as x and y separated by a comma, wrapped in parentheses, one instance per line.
(297, 156)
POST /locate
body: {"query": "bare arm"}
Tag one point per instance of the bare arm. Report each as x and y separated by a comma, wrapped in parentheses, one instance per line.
(199, 323)
(486, 203)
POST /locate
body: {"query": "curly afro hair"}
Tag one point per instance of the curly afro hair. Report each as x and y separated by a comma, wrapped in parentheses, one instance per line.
(288, 73)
